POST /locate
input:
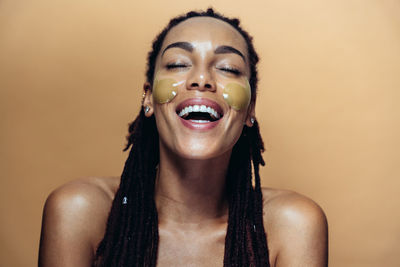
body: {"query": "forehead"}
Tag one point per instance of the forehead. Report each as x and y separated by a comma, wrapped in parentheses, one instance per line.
(206, 29)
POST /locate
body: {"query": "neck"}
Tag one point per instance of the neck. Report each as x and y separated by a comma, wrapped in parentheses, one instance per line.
(191, 191)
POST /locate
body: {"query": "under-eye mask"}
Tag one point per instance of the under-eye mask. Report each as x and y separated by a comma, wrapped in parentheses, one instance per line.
(237, 96)
(165, 90)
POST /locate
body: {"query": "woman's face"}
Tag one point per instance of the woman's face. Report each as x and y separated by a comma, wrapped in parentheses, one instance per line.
(200, 95)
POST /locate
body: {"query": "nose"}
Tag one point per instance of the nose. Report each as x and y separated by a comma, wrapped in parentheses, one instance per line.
(201, 79)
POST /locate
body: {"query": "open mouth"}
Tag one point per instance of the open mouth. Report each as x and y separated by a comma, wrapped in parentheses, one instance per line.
(199, 113)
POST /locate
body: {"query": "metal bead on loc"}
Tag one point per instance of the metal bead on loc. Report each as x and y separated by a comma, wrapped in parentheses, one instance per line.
(252, 120)
(146, 109)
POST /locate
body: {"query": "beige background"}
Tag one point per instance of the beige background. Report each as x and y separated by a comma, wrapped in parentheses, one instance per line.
(71, 74)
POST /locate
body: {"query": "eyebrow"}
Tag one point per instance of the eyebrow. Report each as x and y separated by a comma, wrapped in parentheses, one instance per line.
(223, 49)
(184, 45)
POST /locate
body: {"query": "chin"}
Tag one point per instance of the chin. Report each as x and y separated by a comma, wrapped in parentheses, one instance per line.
(195, 149)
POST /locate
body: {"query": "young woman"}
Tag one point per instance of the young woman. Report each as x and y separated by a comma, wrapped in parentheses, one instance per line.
(186, 196)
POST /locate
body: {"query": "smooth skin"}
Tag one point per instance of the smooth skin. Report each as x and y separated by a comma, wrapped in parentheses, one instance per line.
(190, 188)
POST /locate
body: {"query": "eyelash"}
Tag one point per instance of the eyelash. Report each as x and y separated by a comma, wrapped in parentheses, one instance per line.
(231, 70)
(176, 66)
(226, 69)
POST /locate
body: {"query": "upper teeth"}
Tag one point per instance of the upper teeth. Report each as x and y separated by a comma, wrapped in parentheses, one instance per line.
(199, 108)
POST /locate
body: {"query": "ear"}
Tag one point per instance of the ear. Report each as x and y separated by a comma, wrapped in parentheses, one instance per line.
(147, 101)
(251, 114)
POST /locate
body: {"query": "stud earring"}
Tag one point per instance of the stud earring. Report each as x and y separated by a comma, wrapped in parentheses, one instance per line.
(252, 120)
(143, 96)
(146, 109)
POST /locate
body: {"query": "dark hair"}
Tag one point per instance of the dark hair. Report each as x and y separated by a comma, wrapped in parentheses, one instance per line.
(131, 237)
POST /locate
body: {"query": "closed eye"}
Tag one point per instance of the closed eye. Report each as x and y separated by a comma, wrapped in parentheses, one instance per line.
(176, 66)
(231, 70)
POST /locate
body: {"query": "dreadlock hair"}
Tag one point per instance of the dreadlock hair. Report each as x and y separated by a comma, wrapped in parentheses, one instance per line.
(131, 237)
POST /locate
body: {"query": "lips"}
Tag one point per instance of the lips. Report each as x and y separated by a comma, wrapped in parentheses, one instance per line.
(199, 113)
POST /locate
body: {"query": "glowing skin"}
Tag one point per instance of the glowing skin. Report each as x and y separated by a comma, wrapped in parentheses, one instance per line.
(237, 96)
(199, 53)
(165, 90)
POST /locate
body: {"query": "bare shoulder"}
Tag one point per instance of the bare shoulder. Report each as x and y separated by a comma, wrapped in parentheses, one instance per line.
(74, 220)
(288, 206)
(84, 197)
(99, 186)
(296, 227)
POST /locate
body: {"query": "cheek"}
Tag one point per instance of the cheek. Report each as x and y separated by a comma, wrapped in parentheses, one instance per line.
(237, 96)
(164, 90)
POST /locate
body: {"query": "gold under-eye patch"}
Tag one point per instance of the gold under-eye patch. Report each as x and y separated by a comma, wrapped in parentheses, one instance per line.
(164, 90)
(237, 96)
